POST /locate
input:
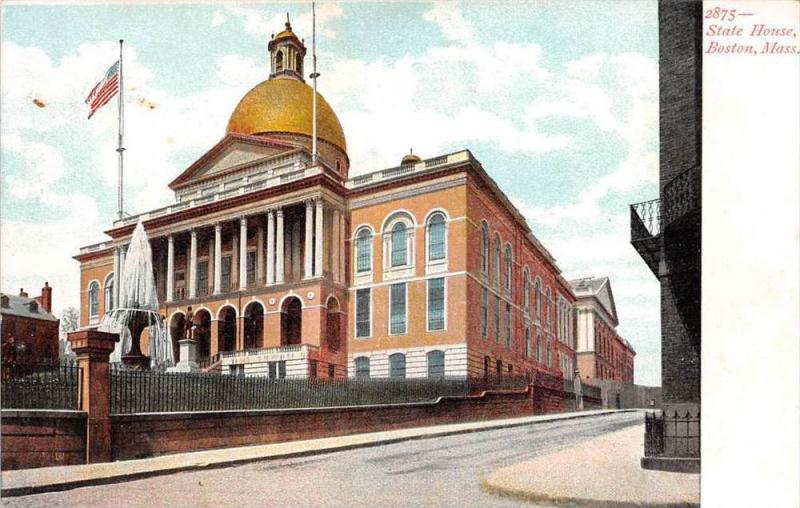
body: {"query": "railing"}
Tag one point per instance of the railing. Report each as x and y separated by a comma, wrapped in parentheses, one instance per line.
(394, 172)
(645, 219)
(266, 350)
(681, 195)
(134, 391)
(41, 385)
(671, 435)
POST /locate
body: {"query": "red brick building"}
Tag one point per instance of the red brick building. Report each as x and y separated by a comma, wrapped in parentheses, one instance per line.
(602, 353)
(28, 330)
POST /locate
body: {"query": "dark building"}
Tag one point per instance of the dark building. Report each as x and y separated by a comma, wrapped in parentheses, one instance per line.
(28, 330)
(666, 232)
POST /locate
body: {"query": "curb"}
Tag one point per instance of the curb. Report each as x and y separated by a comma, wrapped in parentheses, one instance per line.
(122, 477)
(534, 497)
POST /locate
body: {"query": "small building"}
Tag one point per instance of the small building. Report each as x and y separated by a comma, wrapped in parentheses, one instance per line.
(603, 354)
(28, 329)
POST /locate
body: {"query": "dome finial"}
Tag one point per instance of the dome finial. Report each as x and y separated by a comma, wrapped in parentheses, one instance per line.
(288, 23)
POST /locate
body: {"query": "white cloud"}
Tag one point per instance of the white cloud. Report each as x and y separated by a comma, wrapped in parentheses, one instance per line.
(260, 23)
(448, 17)
(218, 18)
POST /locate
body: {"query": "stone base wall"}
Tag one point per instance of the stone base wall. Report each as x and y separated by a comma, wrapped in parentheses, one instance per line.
(40, 438)
(145, 435)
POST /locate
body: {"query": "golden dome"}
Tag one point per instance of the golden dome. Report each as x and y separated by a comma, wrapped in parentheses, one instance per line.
(284, 105)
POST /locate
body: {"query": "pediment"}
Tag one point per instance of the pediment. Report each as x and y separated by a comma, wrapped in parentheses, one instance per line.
(606, 299)
(230, 153)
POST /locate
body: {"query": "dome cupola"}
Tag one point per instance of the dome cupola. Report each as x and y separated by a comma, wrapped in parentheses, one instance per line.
(286, 54)
(410, 158)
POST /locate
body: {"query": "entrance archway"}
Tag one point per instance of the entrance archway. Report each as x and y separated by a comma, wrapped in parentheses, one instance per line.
(291, 321)
(226, 334)
(176, 327)
(253, 326)
(202, 333)
(332, 324)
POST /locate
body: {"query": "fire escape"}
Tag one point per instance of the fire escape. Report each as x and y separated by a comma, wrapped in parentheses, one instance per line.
(668, 230)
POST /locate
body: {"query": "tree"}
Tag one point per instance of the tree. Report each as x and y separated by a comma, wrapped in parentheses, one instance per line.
(69, 322)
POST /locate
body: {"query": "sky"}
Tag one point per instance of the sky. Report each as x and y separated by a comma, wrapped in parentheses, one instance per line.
(558, 100)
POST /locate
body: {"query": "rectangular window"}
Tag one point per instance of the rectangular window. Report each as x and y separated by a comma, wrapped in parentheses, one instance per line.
(485, 313)
(496, 318)
(363, 311)
(508, 324)
(397, 310)
(251, 267)
(277, 370)
(436, 233)
(225, 269)
(202, 278)
(436, 304)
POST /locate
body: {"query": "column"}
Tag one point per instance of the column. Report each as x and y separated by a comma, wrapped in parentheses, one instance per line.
(318, 216)
(279, 247)
(170, 268)
(242, 253)
(307, 246)
(270, 247)
(115, 289)
(260, 254)
(122, 253)
(335, 245)
(342, 250)
(193, 263)
(217, 258)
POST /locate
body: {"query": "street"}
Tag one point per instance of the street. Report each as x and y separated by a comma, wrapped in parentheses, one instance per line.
(444, 471)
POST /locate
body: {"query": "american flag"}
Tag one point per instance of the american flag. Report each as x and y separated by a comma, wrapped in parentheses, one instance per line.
(104, 90)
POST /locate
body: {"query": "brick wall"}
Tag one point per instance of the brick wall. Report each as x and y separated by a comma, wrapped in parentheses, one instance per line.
(39, 438)
(136, 436)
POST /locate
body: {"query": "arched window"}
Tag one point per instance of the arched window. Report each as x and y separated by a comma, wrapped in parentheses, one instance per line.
(435, 363)
(94, 299)
(108, 293)
(364, 250)
(397, 366)
(548, 302)
(399, 244)
(549, 353)
(437, 237)
(362, 367)
(497, 259)
(509, 265)
(527, 343)
(526, 291)
(538, 295)
(538, 348)
(485, 248)
(279, 61)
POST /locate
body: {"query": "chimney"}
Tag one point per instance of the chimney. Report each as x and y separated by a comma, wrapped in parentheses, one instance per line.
(22, 293)
(46, 300)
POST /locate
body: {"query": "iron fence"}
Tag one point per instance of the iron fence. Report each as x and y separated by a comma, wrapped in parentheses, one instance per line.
(681, 195)
(671, 435)
(41, 384)
(135, 391)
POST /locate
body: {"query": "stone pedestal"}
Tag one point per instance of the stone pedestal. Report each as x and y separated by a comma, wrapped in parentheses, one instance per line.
(92, 349)
(188, 356)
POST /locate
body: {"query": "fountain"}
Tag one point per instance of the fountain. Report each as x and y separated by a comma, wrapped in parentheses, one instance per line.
(138, 310)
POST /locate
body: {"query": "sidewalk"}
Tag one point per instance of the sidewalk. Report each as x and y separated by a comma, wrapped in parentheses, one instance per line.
(603, 472)
(50, 479)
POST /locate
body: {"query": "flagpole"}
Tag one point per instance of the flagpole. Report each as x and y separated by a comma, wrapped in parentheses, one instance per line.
(314, 75)
(120, 133)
